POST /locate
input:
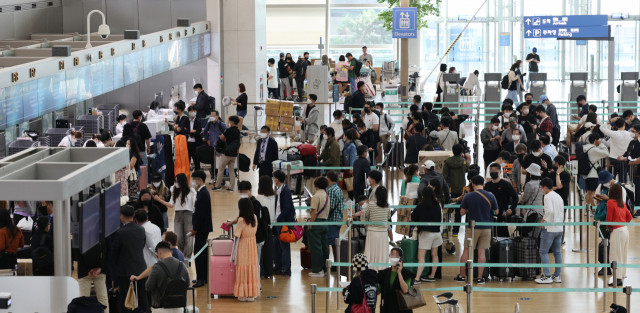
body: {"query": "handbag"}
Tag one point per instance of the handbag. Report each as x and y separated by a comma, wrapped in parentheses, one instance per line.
(131, 302)
(361, 307)
(234, 251)
(413, 299)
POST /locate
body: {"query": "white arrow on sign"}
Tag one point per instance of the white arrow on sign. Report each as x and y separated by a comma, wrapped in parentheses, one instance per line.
(529, 32)
(528, 21)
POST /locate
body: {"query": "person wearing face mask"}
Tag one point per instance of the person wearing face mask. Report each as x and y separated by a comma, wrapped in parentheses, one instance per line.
(122, 119)
(633, 153)
(547, 147)
(551, 236)
(371, 120)
(182, 199)
(376, 209)
(552, 112)
(331, 154)
(532, 194)
(516, 139)
(504, 157)
(507, 134)
(583, 107)
(192, 129)
(618, 142)
(590, 109)
(526, 118)
(145, 201)
(133, 180)
(285, 212)
(301, 71)
(514, 80)
(202, 101)
(490, 137)
(507, 111)
(429, 238)
(70, 140)
(153, 110)
(178, 109)
(536, 156)
(157, 187)
(273, 80)
(454, 170)
(309, 119)
(544, 127)
(153, 236)
(392, 280)
(337, 127)
(361, 171)
(364, 284)
(415, 142)
(106, 140)
(202, 225)
(283, 77)
(317, 234)
(520, 79)
(446, 137)
(505, 194)
(212, 131)
(561, 178)
(266, 153)
(517, 178)
(630, 119)
(322, 139)
(596, 151)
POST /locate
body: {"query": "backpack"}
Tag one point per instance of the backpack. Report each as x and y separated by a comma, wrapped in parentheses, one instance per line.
(232, 148)
(42, 259)
(505, 82)
(85, 305)
(175, 292)
(358, 67)
(584, 164)
(212, 103)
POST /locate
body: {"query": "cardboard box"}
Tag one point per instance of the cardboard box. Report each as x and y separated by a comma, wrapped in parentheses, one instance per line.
(404, 215)
(272, 112)
(25, 267)
(272, 122)
(273, 104)
(437, 157)
(288, 120)
(286, 128)
(286, 108)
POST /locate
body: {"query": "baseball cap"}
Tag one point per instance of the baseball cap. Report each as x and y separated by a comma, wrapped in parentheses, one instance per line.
(535, 49)
(156, 177)
(429, 164)
(588, 125)
(513, 119)
(543, 98)
(300, 56)
(433, 134)
(281, 54)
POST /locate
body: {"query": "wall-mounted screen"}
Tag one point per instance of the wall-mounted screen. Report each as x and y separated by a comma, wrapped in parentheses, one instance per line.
(13, 105)
(118, 72)
(90, 223)
(31, 106)
(52, 93)
(3, 115)
(78, 85)
(160, 59)
(111, 209)
(148, 63)
(97, 79)
(133, 67)
(206, 44)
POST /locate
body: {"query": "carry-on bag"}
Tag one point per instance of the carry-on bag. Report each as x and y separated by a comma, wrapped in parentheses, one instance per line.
(502, 252)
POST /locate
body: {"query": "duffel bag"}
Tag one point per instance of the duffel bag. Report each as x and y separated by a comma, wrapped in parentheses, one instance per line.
(206, 154)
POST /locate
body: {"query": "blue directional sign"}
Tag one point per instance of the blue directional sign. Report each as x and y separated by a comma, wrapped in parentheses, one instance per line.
(405, 23)
(565, 20)
(567, 32)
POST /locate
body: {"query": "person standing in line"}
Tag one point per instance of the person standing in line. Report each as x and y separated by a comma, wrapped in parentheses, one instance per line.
(267, 198)
(479, 205)
(182, 200)
(273, 79)
(617, 211)
(336, 200)
(247, 286)
(454, 171)
(514, 80)
(158, 188)
(266, 153)
(128, 253)
(361, 170)
(414, 144)
(506, 197)
(596, 150)
(212, 131)
(145, 201)
(158, 278)
(533, 59)
(490, 137)
(231, 137)
(310, 118)
(320, 209)
(376, 209)
(439, 88)
(331, 154)
(446, 137)
(633, 152)
(92, 269)
(153, 236)
(364, 286)
(283, 68)
(172, 238)
(520, 84)
(142, 130)
(202, 102)
(285, 212)
(192, 129)
(551, 236)
(618, 142)
(547, 147)
(342, 73)
(301, 72)
(387, 127)
(352, 72)
(393, 280)
(429, 237)
(365, 56)
(202, 225)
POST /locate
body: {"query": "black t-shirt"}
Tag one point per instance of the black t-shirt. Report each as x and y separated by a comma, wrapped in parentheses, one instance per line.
(242, 102)
(282, 67)
(232, 134)
(504, 193)
(525, 120)
(565, 179)
(530, 158)
(533, 66)
(143, 130)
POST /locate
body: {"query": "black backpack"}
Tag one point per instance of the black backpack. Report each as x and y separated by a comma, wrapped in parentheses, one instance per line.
(42, 259)
(85, 305)
(505, 82)
(175, 292)
(212, 103)
(358, 67)
(584, 164)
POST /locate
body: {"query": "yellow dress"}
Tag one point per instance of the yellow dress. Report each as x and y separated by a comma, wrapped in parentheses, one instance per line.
(247, 274)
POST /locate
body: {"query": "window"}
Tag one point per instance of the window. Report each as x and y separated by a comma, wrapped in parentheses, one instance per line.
(357, 27)
(466, 56)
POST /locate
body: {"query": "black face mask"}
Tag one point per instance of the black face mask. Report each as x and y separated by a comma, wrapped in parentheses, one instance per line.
(494, 175)
(555, 168)
(539, 117)
(529, 102)
(367, 110)
(289, 59)
(176, 112)
(521, 157)
(146, 202)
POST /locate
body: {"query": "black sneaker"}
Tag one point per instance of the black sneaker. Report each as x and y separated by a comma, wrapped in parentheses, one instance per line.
(428, 279)
(416, 282)
(480, 281)
(601, 272)
(460, 279)
(229, 189)
(618, 282)
(216, 188)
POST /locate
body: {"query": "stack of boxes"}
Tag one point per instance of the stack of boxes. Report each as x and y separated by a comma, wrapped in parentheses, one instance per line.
(280, 115)
(404, 215)
(273, 114)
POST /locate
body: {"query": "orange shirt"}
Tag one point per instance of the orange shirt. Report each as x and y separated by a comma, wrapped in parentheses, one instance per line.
(617, 214)
(8, 243)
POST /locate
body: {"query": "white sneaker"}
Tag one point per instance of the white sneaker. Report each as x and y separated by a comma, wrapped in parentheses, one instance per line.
(544, 280)
(556, 279)
(321, 274)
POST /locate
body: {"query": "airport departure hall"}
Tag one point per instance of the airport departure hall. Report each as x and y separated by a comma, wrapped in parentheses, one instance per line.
(354, 156)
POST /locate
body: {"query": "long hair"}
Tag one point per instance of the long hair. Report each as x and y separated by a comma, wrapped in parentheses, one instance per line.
(381, 197)
(411, 171)
(429, 197)
(437, 188)
(184, 189)
(6, 221)
(514, 66)
(142, 193)
(246, 211)
(593, 118)
(615, 193)
(265, 186)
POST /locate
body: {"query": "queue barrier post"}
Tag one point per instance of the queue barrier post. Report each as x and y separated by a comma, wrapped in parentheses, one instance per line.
(606, 278)
(338, 272)
(595, 269)
(468, 289)
(614, 267)
(469, 270)
(588, 235)
(314, 290)
(350, 231)
(580, 250)
(209, 254)
(627, 290)
(328, 294)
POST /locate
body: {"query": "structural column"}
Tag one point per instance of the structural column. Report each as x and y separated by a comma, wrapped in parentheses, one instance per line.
(62, 233)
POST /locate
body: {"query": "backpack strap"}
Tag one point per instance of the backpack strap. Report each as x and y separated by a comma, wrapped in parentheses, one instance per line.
(166, 270)
(485, 197)
(179, 271)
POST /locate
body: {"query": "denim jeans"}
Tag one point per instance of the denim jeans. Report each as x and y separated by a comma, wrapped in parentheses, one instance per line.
(352, 82)
(242, 114)
(513, 94)
(282, 253)
(548, 240)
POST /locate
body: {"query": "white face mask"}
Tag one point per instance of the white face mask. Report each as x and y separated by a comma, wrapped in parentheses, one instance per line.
(515, 137)
(263, 135)
(525, 112)
(193, 184)
(308, 101)
(503, 164)
(324, 137)
(494, 127)
(213, 119)
(537, 154)
(244, 196)
(157, 184)
(365, 206)
(176, 185)
(607, 185)
(507, 114)
(192, 114)
(394, 261)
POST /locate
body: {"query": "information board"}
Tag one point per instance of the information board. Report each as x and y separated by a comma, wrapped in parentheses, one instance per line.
(148, 63)
(52, 93)
(30, 103)
(160, 59)
(97, 79)
(107, 75)
(469, 45)
(567, 32)
(566, 26)
(566, 20)
(13, 105)
(133, 67)
(118, 72)
(3, 116)
(405, 23)
(505, 39)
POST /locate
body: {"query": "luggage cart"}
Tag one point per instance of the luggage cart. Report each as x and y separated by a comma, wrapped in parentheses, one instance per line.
(226, 178)
(450, 246)
(449, 305)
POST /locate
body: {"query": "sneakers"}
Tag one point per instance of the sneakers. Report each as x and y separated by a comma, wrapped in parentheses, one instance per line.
(428, 279)
(320, 274)
(216, 188)
(480, 281)
(601, 272)
(618, 282)
(544, 280)
(461, 279)
(229, 190)
(556, 279)
(393, 244)
(416, 282)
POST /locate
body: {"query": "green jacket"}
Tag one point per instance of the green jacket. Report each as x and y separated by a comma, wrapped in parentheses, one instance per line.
(331, 154)
(454, 171)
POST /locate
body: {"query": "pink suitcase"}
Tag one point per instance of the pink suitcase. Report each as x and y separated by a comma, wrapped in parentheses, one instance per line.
(142, 178)
(223, 275)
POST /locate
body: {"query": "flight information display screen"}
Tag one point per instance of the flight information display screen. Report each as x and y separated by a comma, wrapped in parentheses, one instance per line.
(3, 116)
(118, 72)
(133, 67)
(31, 106)
(107, 76)
(52, 93)
(13, 105)
(90, 223)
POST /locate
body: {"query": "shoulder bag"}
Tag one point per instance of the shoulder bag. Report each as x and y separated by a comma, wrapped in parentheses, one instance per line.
(413, 299)
(361, 307)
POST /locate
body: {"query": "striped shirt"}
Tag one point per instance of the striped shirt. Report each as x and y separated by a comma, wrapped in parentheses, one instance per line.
(336, 199)
(377, 214)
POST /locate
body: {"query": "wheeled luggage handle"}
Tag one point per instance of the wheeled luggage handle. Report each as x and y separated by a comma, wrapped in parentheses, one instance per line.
(450, 302)
(447, 295)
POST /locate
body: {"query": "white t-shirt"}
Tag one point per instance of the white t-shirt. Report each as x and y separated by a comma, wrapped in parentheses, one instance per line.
(384, 129)
(270, 204)
(154, 236)
(151, 114)
(583, 120)
(370, 120)
(66, 142)
(273, 82)
(190, 201)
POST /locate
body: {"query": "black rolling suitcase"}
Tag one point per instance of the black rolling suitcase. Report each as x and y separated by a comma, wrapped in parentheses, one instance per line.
(502, 252)
(396, 158)
(357, 246)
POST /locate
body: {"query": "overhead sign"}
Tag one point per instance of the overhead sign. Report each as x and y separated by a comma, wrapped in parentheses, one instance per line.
(567, 32)
(405, 23)
(505, 39)
(468, 48)
(566, 20)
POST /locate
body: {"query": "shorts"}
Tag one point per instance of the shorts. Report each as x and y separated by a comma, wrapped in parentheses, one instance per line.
(428, 240)
(481, 239)
(333, 232)
(592, 183)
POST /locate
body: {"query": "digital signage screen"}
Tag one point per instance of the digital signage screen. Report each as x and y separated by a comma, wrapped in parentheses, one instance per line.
(52, 93)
